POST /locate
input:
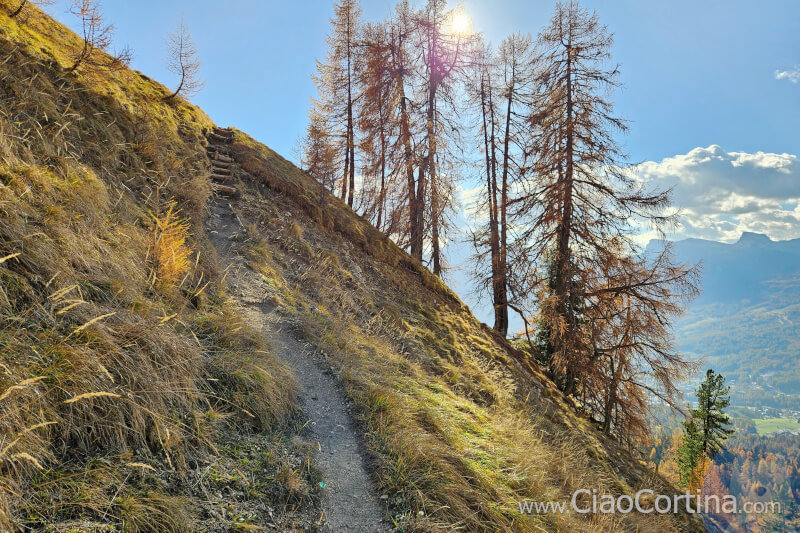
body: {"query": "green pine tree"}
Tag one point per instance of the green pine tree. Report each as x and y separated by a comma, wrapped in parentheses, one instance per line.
(713, 396)
(708, 426)
(690, 452)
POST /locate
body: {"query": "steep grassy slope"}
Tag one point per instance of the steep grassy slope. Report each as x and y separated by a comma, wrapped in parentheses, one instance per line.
(111, 372)
(111, 367)
(460, 426)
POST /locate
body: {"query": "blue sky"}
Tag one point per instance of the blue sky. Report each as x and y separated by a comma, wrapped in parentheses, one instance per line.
(711, 87)
(696, 73)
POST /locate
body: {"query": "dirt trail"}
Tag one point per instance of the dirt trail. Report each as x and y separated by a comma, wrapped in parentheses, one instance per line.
(349, 501)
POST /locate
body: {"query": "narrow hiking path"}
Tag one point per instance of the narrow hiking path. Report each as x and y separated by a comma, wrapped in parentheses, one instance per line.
(349, 501)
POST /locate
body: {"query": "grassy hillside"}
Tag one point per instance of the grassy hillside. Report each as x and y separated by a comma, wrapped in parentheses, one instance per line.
(115, 365)
(122, 358)
(460, 426)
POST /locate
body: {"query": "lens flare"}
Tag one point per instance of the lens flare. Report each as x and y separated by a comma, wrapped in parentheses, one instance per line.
(460, 22)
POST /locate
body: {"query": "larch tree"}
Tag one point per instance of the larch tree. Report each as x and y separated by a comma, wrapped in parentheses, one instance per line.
(633, 357)
(319, 153)
(606, 306)
(402, 68)
(97, 36)
(23, 3)
(515, 75)
(486, 238)
(503, 95)
(448, 49)
(379, 123)
(336, 82)
(184, 63)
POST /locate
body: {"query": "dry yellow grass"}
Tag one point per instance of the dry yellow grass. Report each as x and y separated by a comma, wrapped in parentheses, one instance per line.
(87, 395)
(103, 371)
(100, 366)
(141, 465)
(460, 426)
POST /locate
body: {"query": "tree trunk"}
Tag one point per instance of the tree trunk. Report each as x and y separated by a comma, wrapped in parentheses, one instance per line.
(183, 77)
(19, 9)
(434, 187)
(435, 250)
(503, 283)
(351, 192)
(382, 193)
(419, 208)
(563, 259)
(346, 168)
(491, 194)
(429, 167)
(82, 56)
(611, 398)
(350, 133)
(405, 132)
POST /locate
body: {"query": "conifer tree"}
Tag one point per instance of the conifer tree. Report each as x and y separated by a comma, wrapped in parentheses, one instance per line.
(319, 153)
(336, 82)
(380, 123)
(402, 30)
(183, 62)
(447, 52)
(706, 429)
(502, 92)
(515, 74)
(690, 452)
(713, 396)
(607, 306)
(23, 3)
(576, 143)
(97, 36)
(486, 240)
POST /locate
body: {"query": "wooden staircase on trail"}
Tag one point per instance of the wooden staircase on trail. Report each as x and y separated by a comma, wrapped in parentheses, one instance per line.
(222, 177)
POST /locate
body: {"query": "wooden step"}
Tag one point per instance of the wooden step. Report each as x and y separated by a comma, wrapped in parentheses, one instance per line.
(223, 131)
(224, 189)
(217, 156)
(216, 152)
(222, 177)
(220, 164)
(219, 138)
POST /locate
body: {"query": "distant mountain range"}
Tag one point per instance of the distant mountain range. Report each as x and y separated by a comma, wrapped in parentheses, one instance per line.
(752, 270)
(746, 322)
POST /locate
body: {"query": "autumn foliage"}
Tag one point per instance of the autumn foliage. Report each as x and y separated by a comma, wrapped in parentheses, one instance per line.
(171, 253)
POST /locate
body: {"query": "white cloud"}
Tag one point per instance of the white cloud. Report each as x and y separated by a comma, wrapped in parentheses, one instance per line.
(470, 198)
(724, 193)
(791, 75)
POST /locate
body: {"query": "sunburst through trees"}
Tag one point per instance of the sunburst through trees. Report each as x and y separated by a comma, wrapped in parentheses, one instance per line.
(559, 208)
